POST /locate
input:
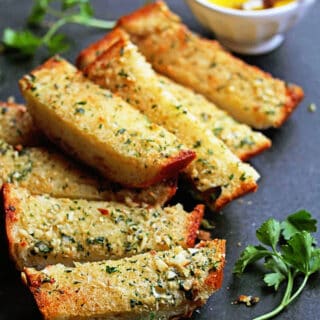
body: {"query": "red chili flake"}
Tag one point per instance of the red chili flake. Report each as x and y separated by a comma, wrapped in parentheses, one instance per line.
(105, 212)
(23, 244)
(18, 147)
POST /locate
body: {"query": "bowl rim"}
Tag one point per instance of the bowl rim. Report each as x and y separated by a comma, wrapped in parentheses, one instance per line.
(252, 13)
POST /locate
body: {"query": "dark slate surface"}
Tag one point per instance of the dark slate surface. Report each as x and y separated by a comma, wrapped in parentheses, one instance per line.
(290, 170)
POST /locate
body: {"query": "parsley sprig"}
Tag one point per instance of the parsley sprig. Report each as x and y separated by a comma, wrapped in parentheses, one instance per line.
(289, 251)
(26, 42)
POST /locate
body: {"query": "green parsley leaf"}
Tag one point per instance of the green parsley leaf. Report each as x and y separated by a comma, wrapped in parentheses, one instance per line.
(298, 251)
(23, 41)
(274, 279)
(111, 269)
(38, 12)
(26, 42)
(314, 264)
(250, 255)
(279, 271)
(275, 264)
(269, 232)
(299, 221)
(207, 225)
(86, 10)
(57, 43)
(297, 257)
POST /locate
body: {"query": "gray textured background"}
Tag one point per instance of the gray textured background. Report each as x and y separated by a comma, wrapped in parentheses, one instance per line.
(290, 170)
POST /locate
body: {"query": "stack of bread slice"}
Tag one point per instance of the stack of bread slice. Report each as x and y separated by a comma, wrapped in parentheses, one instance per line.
(63, 219)
(88, 166)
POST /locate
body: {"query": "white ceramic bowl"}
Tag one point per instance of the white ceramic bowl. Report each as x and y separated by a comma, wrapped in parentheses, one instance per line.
(249, 32)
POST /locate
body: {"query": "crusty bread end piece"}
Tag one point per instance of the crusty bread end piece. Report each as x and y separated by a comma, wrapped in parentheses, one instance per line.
(47, 171)
(101, 129)
(249, 94)
(42, 230)
(166, 284)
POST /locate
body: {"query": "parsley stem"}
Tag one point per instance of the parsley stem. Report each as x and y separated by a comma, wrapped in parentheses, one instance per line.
(92, 22)
(303, 284)
(285, 301)
(54, 28)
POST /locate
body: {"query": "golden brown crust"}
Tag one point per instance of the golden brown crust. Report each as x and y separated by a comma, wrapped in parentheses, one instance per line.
(155, 13)
(247, 154)
(10, 210)
(194, 222)
(90, 53)
(215, 278)
(294, 96)
(172, 168)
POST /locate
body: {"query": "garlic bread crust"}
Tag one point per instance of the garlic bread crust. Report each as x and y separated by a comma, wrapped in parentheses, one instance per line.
(16, 125)
(247, 93)
(43, 170)
(43, 230)
(99, 128)
(166, 284)
(124, 71)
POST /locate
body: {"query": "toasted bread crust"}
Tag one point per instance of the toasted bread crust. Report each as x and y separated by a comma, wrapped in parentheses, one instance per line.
(108, 297)
(246, 92)
(194, 221)
(90, 53)
(134, 157)
(61, 226)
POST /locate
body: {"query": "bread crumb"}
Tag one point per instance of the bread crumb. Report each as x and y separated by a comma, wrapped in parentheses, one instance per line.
(249, 301)
(11, 99)
(204, 235)
(312, 107)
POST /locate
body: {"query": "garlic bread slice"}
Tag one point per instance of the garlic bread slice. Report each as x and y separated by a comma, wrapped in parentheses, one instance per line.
(239, 138)
(99, 128)
(247, 93)
(217, 172)
(16, 125)
(43, 170)
(165, 285)
(44, 230)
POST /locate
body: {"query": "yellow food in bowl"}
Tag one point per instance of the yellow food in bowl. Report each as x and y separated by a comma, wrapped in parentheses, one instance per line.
(242, 4)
